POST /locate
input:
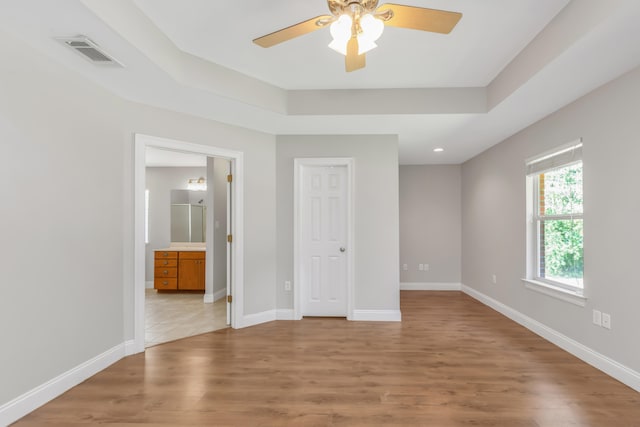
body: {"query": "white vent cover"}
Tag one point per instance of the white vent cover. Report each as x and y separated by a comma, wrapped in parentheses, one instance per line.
(89, 50)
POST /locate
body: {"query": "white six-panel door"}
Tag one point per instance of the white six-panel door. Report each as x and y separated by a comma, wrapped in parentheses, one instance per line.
(323, 229)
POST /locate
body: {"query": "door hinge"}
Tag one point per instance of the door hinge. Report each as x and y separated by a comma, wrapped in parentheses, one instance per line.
(229, 299)
(229, 238)
(229, 178)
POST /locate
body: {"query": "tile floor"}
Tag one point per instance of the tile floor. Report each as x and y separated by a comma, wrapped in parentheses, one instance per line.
(169, 317)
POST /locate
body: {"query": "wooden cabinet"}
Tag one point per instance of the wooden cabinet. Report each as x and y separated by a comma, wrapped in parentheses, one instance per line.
(179, 270)
(191, 271)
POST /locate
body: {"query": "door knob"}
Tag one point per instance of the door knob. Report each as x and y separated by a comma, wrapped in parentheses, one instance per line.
(342, 249)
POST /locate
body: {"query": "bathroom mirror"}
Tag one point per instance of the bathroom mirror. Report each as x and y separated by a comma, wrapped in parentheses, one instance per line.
(188, 216)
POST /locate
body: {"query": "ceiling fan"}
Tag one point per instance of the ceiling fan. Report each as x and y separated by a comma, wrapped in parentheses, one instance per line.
(355, 25)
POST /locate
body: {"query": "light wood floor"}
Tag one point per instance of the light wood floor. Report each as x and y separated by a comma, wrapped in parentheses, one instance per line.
(451, 362)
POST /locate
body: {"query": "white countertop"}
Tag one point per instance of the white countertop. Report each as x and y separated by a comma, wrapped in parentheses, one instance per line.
(184, 247)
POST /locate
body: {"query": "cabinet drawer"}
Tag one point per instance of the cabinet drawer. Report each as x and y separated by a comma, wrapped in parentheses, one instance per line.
(165, 283)
(160, 263)
(192, 255)
(166, 254)
(163, 272)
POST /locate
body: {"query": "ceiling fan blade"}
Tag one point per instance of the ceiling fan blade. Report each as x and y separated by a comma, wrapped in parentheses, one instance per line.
(353, 61)
(420, 18)
(294, 31)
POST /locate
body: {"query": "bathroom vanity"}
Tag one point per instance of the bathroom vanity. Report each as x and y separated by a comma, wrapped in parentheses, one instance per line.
(177, 269)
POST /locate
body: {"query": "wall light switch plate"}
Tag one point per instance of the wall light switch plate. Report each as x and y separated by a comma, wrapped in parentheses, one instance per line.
(606, 320)
(421, 267)
(597, 317)
(426, 267)
(405, 267)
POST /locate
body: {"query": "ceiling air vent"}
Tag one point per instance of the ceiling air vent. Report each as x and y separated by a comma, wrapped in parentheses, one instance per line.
(89, 50)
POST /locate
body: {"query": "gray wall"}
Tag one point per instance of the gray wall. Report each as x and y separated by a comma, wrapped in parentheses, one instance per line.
(259, 195)
(430, 225)
(68, 271)
(160, 182)
(493, 219)
(376, 213)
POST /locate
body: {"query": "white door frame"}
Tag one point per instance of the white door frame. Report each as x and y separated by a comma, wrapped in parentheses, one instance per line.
(237, 169)
(298, 164)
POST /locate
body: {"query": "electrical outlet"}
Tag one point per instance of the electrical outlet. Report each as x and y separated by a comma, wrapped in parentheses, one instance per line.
(405, 267)
(421, 267)
(287, 285)
(597, 317)
(494, 279)
(606, 320)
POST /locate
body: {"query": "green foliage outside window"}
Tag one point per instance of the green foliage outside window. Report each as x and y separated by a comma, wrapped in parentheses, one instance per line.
(563, 238)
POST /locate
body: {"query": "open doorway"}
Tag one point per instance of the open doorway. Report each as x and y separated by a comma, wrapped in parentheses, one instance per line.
(234, 162)
(187, 202)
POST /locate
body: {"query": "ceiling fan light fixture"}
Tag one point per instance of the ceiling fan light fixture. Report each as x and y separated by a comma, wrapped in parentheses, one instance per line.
(340, 30)
(355, 25)
(371, 29)
(365, 45)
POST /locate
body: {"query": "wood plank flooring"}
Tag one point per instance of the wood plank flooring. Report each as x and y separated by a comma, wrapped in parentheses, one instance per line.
(451, 362)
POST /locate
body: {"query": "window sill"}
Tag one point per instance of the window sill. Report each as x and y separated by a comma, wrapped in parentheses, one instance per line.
(572, 297)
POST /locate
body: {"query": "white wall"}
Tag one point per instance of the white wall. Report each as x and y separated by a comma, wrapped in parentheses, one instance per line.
(62, 268)
(259, 195)
(430, 209)
(160, 181)
(67, 287)
(376, 213)
(493, 219)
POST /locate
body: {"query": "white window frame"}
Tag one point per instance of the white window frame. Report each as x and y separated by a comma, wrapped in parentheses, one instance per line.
(566, 155)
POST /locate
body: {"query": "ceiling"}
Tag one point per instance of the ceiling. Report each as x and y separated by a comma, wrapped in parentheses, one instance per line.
(506, 65)
(471, 56)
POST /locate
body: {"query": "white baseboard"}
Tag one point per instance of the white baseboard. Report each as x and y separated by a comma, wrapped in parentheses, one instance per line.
(377, 315)
(222, 293)
(257, 318)
(430, 286)
(284, 314)
(148, 284)
(211, 298)
(33, 399)
(130, 348)
(609, 366)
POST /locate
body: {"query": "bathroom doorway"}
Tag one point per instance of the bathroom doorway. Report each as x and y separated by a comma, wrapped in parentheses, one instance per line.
(218, 222)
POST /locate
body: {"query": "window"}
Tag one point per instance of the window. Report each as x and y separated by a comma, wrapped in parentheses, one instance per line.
(555, 219)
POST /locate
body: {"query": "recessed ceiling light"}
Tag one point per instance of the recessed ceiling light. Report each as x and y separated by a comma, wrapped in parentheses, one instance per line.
(438, 150)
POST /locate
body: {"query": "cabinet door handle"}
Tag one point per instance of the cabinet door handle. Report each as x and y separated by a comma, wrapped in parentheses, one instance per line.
(165, 272)
(165, 254)
(166, 263)
(165, 283)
